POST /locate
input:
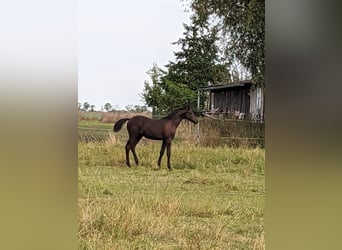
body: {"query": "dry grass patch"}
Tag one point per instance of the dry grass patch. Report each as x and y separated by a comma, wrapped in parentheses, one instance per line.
(212, 199)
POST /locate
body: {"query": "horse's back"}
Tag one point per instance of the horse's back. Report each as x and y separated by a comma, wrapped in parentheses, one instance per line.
(150, 128)
(137, 121)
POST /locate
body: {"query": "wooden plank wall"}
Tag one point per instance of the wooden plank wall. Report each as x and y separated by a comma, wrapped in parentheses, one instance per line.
(234, 99)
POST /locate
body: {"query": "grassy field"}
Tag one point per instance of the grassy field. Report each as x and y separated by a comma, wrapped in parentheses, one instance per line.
(214, 198)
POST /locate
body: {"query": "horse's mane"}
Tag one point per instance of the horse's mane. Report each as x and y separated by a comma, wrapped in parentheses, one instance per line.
(173, 113)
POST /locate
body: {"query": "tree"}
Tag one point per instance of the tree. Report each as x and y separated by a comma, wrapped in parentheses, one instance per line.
(164, 95)
(108, 107)
(92, 107)
(197, 64)
(86, 106)
(135, 108)
(178, 95)
(129, 107)
(140, 109)
(153, 91)
(243, 30)
(79, 106)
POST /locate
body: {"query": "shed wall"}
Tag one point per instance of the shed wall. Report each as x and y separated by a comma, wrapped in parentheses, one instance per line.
(231, 100)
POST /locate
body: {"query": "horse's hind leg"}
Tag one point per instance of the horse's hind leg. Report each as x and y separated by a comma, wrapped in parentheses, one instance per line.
(127, 154)
(130, 145)
(135, 156)
(137, 139)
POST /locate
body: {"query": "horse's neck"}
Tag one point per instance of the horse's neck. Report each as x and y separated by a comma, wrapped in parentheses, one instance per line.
(177, 120)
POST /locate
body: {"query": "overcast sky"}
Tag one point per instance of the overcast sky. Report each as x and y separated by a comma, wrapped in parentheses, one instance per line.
(119, 40)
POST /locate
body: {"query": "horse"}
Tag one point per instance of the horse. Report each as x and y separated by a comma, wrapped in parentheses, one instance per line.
(163, 129)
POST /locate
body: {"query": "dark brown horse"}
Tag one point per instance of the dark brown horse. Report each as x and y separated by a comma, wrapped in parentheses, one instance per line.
(163, 129)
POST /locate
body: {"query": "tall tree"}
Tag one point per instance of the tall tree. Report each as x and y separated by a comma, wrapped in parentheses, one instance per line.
(198, 63)
(243, 29)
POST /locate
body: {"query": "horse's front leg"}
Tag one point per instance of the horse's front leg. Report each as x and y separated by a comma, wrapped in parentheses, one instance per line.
(162, 150)
(168, 152)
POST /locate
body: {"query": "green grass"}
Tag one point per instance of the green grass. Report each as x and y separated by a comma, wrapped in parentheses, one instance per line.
(213, 198)
(94, 130)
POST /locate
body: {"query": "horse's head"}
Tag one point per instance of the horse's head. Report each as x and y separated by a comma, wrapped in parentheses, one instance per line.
(189, 115)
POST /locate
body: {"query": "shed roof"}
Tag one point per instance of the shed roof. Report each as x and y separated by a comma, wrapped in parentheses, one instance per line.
(226, 86)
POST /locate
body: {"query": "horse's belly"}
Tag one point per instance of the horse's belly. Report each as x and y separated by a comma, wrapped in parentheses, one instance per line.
(153, 137)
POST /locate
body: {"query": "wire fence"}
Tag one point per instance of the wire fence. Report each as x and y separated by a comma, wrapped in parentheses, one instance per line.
(206, 134)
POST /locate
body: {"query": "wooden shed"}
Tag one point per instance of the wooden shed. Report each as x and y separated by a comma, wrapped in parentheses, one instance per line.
(240, 100)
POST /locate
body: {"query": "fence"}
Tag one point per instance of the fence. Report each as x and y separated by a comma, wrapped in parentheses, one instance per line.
(214, 132)
(208, 132)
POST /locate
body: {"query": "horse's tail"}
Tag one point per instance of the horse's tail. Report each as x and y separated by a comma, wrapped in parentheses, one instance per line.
(119, 123)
